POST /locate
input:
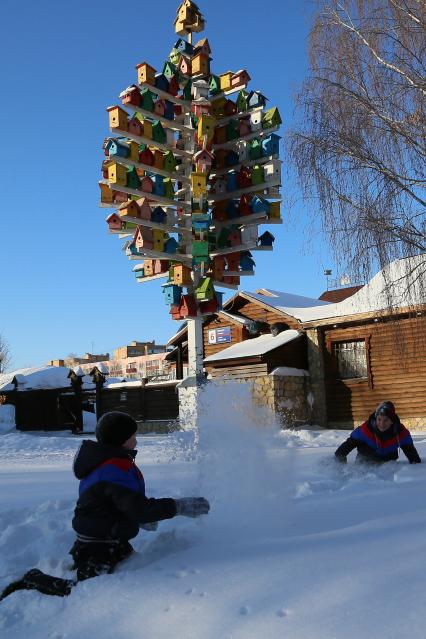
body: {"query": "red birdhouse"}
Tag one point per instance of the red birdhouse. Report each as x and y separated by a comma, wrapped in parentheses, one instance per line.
(146, 156)
(244, 205)
(243, 177)
(173, 86)
(132, 95)
(233, 261)
(135, 126)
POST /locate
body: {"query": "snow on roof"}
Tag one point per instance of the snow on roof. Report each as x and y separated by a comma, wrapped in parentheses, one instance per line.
(257, 346)
(36, 378)
(278, 299)
(236, 318)
(399, 284)
(289, 371)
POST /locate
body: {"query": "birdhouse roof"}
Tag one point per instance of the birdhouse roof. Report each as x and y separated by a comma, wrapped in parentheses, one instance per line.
(141, 64)
(268, 235)
(113, 216)
(125, 205)
(202, 43)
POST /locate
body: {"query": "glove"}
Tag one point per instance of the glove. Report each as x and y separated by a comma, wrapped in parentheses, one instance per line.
(153, 525)
(192, 506)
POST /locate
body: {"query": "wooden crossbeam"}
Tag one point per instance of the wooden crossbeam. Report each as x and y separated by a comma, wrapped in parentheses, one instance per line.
(168, 124)
(149, 196)
(166, 96)
(140, 139)
(230, 195)
(148, 167)
(237, 167)
(246, 138)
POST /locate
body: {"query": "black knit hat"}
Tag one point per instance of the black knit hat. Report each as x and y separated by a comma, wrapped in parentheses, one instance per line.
(115, 428)
(387, 409)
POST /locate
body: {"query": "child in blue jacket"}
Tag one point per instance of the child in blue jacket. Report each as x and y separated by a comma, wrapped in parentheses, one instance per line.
(111, 506)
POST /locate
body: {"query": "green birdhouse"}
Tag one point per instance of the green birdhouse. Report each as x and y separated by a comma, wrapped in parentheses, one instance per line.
(205, 290)
(187, 90)
(174, 56)
(232, 130)
(255, 150)
(169, 70)
(169, 163)
(214, 84)
(271, 118)
(222, 239)
(257, 175)
(132, 178)
(147, 100)
(158, 133)
(200, 249)
(242, 100)
(168, 188)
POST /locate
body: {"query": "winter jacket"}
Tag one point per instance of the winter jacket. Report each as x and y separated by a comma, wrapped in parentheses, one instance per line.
(112, 502)
(373, 445)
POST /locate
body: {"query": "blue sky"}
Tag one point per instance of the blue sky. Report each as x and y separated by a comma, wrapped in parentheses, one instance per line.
(66, 285)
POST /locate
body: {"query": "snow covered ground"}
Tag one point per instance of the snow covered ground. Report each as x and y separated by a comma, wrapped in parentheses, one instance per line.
(294, 546)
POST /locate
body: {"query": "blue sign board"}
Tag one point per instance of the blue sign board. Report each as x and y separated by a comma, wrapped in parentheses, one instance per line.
(220, 335)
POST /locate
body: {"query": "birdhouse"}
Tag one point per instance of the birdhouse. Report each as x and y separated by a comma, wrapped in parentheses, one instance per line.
(233, 261)
(161, 82)
(219, 185)
(107, 194)
(256, 121)
(231, 158)
(272, 170)
(244, 127)
(147, 100)
(158, 188)
(255, 149)
(231, 181)
(244, 205)
(222, 238)
(256, 99)
(234, 238)
(266, 239)
(203, 161)
(225, 80)
(131, 96)
(240, 78)
(159, 107)
(147, 129)
(129, 209)
(132, 178)
(259, 204)
(201, 90)
(147, 185)
(181, 275)
(185, 65)
(117, 118)
(274, 212)
(169, 112)
(214, 84)
(187, 307)
(243, 151)
(220, 135)
(198, 184)
(219, 158)
(158, 133)
(133, 148)
(185, 47)
(242, 100)
(114, 222)
(209, 307)
(205, 127)
(257, 174)
(201, 64)
(200, 107)
(174, 56)
(119, 197)
(188, 18)
(158, 215)
(117, 174)
(161, 266)
(200, 248)
(158, 158)
(202, 46)
(232, 210)
(271, 145)
(217, 107)
(148, 267)
(204, 290)
(146, 156)
(219, 213)
(187, 90)
(116, 148)
(135, 126)
(218, 267)
(158, 240)
(200, 222)
(172, 293)
(169, 69)
(230, 108)
(140, 273)
(144, 208)
(170, 245)
(232, 130)
(249, 235)
(169, 190)
(247, 263)
(169, 162)
(143, 238)
(243, 177)
(271, 118)
(146, 73)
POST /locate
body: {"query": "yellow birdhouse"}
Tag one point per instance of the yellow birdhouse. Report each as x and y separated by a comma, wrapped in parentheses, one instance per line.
(188, 18)
(217, 107)
(117, 174)
(147, 129)
(225, 80)
(148, 267)
(274, 210)
(158, 239)
(134, 151)
(198, 183)
(107, 195)
(129, 208)
(182, 275)
(117, 118)
(146, 73)
(206, 127)
(201, 64)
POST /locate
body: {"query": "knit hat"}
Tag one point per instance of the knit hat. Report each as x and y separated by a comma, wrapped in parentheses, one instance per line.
(115, 428)
(387, 409)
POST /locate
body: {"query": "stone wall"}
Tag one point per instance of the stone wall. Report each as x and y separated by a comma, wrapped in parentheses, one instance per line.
(286, 395)
(316, 373)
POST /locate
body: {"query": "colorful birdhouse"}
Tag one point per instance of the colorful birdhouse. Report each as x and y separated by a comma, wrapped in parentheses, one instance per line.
(116, 148)
(161, 82)
(219, 185)
(231, 210)
(172, 293)
(231, 181)
(240, 78)
(233, 261)
(181, 275)
(147, 129)
(201, 89)
(161, 266)
(169, 112)
(117, 174)
(209, 307)
(170, 245)
(274, 212)
(231, 158)
(198, 184)
(244, 177)
(174, 56)
(144, 208)
(256, 121)
(148, 267)
(271, 145)
(133, 148)
(146, 73)
(219, 212)
(242, 100)
(244, 205)
(147, 100)
(143, 238)
(203, 161)
(169, 190)
(200, 222)
(257, 174)
(158, 158)
(225, 80)
(185, 47)
(230, 108)
(114, 222)
(272, 170)
(249, 235)
(119, 197)
(205, 127)
(202, 46)
(132, 178)
(169, 70)
(135, 126)
(117, 118)
(159, 107)
(158, 215)
(146, 156)
(218, 267)
(271, 118)
(220, 135)
(169, 162)
(217, 107)
(214, 84)
(243, 151)
(187, 307)
(255, 149)
(188, 18)
(200, 107)
(185, 65)
(259, 204)
(158, 240)
(244, 127)
(187, 90)
(256, 99)
(204, 290)
(266, 239)
(222, 238)
(140, 273)
(232, 130)
(129, 209)
(220, 158)
(201, 64)
(107, 194)
(146, 184)
(158, 181)
(131, 96)
(247, 263)
(158, 133)
(200, 248)
(234, 238)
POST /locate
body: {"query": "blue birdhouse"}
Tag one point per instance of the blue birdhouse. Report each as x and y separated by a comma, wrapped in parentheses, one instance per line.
(169, 112)
(139, 273)
(158, 215)
(158, 188)
(161, 82)
(232, 158)
(247, 263)
(201, 222)
(256, 99)
(259, 205)
(271, 144)
(170, 245)
(172, 293)
(232, 210)
(114, 147)
(231, 181)
(266, 239)
(184, 47)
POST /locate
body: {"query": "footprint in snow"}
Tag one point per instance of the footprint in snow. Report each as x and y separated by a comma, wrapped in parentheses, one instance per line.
(244, 610)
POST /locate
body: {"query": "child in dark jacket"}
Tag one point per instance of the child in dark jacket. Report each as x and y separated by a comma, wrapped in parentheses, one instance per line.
(379, 438)
(111, 507)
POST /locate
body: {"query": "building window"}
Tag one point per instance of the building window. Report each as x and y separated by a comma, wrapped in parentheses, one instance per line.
(351, 359)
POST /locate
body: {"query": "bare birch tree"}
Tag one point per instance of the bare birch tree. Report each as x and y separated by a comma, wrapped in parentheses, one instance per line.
(359, 144)
(5, 355)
